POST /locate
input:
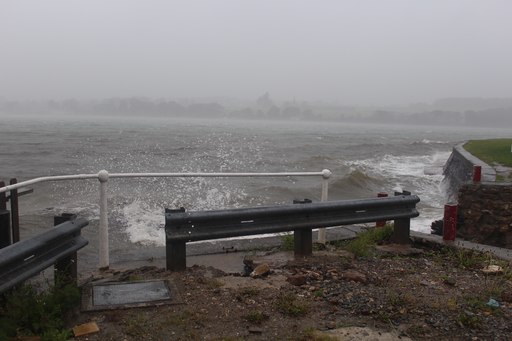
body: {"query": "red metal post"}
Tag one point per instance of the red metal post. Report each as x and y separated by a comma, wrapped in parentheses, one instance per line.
(15, 217)
(381, 223)
(450, 222)
(477, 173)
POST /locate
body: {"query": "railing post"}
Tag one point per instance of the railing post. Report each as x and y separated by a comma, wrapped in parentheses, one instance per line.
(65, 270)
(326, 174)
(103, 228)
(15, 214)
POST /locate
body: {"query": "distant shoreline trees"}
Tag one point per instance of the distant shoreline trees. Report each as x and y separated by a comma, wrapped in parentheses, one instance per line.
(264, 108)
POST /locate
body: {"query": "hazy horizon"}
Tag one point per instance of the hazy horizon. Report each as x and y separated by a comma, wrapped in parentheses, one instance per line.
(369, 53)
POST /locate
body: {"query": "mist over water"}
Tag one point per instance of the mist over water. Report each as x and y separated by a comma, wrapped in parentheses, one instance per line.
(364, 160)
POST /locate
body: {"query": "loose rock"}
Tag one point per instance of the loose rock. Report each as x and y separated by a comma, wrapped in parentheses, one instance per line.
(352, 275)
(260, 271)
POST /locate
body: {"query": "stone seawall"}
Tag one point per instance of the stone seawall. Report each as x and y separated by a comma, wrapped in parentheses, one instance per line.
(458, 170)
(485, 213)
(484, 209)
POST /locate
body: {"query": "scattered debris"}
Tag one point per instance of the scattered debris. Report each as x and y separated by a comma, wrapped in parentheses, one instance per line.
(353, 275)
(493, 303)
(297, 280)
(260, 271)
(506, 294)
(492, 270)
(399, 249)
(449, 281)
(85, 329)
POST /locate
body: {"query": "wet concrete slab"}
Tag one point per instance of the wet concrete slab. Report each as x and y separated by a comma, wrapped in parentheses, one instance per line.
(116, 295)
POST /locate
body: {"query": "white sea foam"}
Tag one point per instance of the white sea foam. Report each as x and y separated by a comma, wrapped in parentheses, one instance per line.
(420, 174)
(143, 224)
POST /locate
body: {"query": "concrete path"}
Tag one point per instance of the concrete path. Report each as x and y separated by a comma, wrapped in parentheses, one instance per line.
(227, 254)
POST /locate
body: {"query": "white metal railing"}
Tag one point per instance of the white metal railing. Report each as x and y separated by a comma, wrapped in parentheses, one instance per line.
(103, 176)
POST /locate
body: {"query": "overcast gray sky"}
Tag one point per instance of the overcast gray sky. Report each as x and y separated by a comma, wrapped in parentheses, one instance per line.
(353, 52)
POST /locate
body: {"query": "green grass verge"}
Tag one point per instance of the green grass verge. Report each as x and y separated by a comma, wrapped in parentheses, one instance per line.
(26, 310)
(492, 152)
(362, 245)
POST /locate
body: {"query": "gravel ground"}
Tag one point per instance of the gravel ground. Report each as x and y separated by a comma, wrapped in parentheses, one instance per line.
(423, 293)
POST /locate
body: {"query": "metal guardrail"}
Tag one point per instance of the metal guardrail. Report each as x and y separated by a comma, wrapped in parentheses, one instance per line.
(27, 258)
(182, 227)
(103, 176)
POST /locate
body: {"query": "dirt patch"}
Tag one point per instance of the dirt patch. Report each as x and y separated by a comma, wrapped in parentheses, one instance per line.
(438, 293)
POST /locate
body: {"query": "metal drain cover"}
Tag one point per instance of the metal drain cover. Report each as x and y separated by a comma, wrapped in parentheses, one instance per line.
(115, 295)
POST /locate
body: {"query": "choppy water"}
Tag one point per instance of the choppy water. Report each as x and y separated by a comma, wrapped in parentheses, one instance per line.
(364, 160)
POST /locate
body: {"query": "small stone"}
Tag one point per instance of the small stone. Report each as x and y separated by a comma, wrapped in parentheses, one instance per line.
(492, 270)
(331, 325)
(85, 329)
(449, 281)
(352, 275)
(255, 330)
(297, 280)
(260, 271)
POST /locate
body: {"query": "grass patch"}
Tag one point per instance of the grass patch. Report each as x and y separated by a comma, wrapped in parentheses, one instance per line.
(469, 321)
(399, 300)
(311, 334)
(249, 291)
(210, 283)
(136, 326)
(256, 317)
(29, 311)
(287, 242)
(464, 259)
(364, 242)
(288, 304)
(496, 151)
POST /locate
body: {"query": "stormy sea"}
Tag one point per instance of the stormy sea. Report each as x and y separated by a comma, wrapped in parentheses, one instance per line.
(364, 160)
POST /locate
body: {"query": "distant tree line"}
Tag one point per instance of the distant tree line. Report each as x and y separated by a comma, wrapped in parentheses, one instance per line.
(265, 108)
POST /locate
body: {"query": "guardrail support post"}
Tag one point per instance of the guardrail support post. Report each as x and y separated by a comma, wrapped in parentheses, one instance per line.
(176, 255)
(402, 227)
(303, 242)
(65, 270)
(381, 223)
(326, 174)
(103, 228)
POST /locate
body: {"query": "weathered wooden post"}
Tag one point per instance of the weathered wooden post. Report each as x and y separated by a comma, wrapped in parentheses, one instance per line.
(5, 228)
(65, 270)
(5, 220)
(15, 214)
(3, 198)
